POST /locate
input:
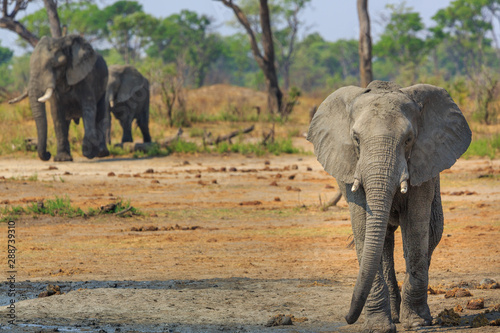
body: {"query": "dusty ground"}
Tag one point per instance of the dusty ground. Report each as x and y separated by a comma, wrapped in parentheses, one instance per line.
(240, 239)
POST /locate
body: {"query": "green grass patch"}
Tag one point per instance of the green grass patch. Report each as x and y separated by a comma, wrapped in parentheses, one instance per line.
(278, 147)
(485, 147)
(62, 207)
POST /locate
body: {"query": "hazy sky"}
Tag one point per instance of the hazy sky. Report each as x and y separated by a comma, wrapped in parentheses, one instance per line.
(333, 19)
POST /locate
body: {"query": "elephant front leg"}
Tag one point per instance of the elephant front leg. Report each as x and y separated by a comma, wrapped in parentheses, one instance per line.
(61, 127)
(415, 228)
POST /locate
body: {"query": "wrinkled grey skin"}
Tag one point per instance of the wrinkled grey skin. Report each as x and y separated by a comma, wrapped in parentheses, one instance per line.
(69, 74)
(127, 97)
(386, 146)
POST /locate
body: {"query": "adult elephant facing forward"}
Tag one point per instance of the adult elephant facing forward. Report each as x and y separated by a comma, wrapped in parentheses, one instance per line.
(386, 146)
(69, 74)
(127, 96)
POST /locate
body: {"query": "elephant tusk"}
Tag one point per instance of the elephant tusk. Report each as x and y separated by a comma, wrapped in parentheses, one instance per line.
(404, 186)
(355, 186)
(112, 103)
(47, 96)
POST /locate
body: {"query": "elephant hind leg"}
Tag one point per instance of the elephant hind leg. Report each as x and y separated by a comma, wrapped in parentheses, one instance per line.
(143, 122)
(390, 273)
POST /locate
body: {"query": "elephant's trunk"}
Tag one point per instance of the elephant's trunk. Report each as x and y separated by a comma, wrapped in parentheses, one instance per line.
(380, 178)
(40, 116)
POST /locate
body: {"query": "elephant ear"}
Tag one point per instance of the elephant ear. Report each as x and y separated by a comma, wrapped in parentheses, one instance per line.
(83, 58)
(443, 133)
(131, 82)
(330, 134)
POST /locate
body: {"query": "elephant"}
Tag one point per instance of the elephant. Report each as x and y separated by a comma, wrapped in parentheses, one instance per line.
(69, 74)
(386, 146)
(127, 96)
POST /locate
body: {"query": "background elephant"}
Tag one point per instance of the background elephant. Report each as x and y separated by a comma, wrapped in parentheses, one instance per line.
(386, 146)
(72, 76)
(127, 96)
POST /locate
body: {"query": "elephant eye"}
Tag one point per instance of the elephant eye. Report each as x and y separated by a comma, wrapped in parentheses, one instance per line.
(408, 141)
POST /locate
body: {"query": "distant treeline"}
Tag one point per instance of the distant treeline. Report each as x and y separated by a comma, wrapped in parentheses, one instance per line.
(460, 47)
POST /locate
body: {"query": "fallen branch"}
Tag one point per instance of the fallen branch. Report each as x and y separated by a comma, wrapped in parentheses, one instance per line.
(19, 98)
(231, 135)
(123, 211)
(169, 141)
(333, 202)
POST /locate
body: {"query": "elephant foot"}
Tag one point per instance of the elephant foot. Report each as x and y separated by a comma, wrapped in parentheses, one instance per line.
(103, 152)
(379, 325)
(412, 319)
(63, 157)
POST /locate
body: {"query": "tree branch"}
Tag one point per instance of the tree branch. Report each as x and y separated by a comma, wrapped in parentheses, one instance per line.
(17, 27)
(7, 21)
(242, 18)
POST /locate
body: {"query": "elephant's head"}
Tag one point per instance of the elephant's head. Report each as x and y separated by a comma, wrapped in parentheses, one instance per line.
(382, 139)
(55, 65)
(123, 83)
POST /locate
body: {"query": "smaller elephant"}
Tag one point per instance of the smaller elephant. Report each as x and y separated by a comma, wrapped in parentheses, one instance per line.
(127, 97)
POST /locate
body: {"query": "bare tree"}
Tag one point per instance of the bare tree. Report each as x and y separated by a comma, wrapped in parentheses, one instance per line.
(266, 62)
(55, 24)
(8, 20)
(291, 10)
(10, 8)
(365, 44)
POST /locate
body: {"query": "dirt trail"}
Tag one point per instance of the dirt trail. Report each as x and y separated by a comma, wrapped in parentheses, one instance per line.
(223, 243)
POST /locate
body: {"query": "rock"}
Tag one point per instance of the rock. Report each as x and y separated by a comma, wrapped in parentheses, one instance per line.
(480, 320)
(51, 290)
(495, 322)
(279, 320)
(448, 318)
(475, 304)
(53, 167)
(277, 199)
(274, 183)
(111, 174)
(150, 228)
(149, 171)
(250, 203)
(233, 169)
(457, 292)
(295, 167)
(458, 308)
(291, 177)
(155, 181)
(309, 169)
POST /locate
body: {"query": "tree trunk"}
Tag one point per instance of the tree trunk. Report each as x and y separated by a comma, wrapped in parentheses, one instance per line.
(365, 44)
(55, 24)
(275, 95)
(266, 62)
